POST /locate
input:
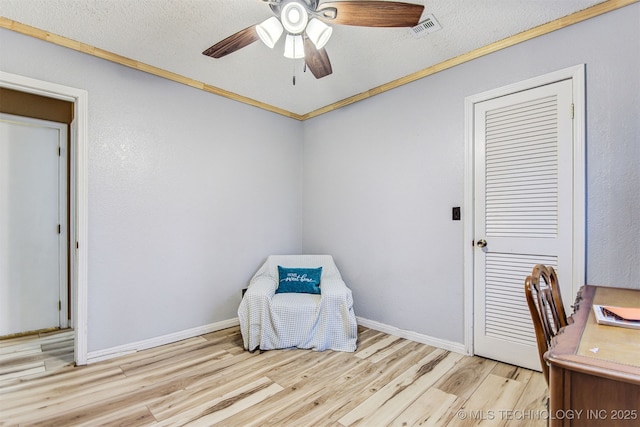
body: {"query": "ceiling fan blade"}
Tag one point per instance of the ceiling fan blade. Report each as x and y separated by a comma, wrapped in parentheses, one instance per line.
(371, 13)
(233, 42)
(317, 60)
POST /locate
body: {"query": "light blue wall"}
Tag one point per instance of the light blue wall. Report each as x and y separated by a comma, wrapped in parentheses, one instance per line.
(188, 193)
(381, 176)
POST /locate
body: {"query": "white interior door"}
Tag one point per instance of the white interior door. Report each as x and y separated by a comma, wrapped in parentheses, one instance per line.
(33, 225)
(523, 145)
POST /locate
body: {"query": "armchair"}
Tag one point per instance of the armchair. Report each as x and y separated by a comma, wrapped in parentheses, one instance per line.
(270, 320)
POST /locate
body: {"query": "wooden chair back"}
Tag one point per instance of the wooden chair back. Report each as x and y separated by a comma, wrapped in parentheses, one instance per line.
(547, 310)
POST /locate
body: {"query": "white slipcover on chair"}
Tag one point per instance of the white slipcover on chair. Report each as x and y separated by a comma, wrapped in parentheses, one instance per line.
(270, 321)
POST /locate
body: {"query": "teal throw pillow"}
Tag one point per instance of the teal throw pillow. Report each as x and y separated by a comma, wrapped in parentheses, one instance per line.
(299, 280)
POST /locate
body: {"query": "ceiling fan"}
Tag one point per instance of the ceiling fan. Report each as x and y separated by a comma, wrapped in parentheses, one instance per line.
(305, 23)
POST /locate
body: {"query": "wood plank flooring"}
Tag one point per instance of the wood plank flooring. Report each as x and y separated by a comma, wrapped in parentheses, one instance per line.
(36, 355)
(210, 380)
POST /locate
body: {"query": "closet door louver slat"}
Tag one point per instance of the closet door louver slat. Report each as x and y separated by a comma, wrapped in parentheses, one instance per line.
(522, 170)
(507, 315)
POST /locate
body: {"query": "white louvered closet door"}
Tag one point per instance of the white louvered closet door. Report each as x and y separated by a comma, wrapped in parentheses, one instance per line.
(523, 211)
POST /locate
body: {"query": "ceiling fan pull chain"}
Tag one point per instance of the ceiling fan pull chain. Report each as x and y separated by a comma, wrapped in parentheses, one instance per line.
(294, 64)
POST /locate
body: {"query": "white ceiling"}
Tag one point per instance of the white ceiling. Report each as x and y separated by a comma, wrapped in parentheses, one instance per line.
(171, 35)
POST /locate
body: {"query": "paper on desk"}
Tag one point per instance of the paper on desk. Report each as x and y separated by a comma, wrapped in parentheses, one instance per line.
(605, 316)
(626, 313)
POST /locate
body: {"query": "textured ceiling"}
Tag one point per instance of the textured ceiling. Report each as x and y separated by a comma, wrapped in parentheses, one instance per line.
(171, 34)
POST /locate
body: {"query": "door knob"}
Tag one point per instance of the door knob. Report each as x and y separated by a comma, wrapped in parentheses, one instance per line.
(481, 243)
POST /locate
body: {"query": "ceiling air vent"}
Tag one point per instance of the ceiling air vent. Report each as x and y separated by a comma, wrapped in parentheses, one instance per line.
(428, 26)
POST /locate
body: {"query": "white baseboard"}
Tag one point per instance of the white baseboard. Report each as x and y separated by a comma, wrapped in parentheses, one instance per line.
(109, 353)
(413, 336)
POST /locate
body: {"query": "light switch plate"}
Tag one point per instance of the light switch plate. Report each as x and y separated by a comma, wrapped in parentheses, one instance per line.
(455, 213)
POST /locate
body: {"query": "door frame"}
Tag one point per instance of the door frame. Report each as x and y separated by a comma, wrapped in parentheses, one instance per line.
(78, 195)
(577, 75)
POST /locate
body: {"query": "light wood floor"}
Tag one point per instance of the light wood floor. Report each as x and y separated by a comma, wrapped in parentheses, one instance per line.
(35, 355)
(210, 380)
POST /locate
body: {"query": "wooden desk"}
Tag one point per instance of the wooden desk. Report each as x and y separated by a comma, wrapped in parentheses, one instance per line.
(589, 387)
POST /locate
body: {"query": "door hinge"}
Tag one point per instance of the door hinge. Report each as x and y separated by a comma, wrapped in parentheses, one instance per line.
(59, 229)
(59, 305)
(59, 151)
(572, 112)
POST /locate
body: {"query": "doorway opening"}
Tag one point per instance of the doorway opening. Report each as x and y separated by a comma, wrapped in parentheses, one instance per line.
(47, 93)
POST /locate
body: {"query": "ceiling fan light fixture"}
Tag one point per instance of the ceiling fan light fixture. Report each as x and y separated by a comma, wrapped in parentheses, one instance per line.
(294, 17)
(319, 32)
(293, 46)
(270, 31)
